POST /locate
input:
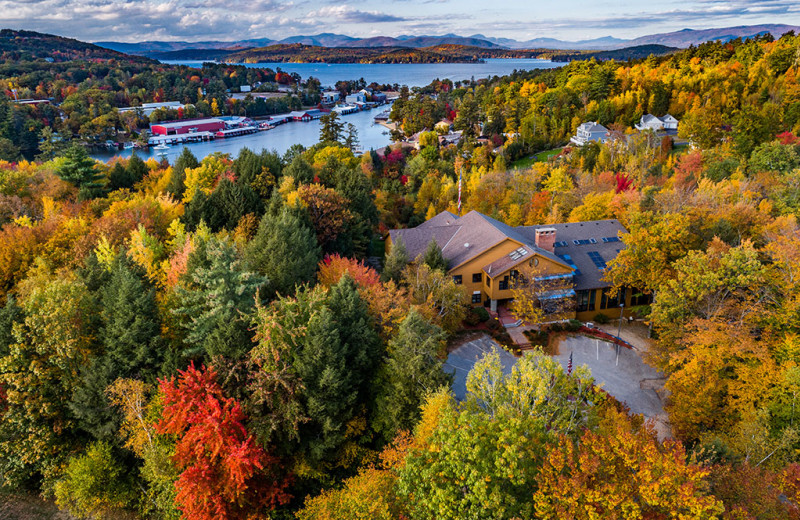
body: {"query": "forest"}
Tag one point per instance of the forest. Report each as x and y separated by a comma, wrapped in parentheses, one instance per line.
(211, 338)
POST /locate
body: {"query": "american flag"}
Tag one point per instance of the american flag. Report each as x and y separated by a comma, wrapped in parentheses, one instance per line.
(569, 365)
(459, 190)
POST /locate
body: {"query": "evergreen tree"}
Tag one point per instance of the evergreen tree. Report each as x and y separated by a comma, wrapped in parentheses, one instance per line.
(185, 161)
(396, 261)
(331, 128)
(336, 363)
(216, 306)
(118, 177)
(300, 170)
(412, 371)
(81, 170)
(228, 203)
(249, 166)
(131, 347)
(433, 257)
(285, 250)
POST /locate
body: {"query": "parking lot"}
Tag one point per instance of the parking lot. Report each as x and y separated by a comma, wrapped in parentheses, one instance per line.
(627, 378)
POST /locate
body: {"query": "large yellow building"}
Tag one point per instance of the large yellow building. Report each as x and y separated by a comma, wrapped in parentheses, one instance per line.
(484, 254)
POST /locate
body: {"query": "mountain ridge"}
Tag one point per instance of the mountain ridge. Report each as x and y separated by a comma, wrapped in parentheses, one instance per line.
(680, 39)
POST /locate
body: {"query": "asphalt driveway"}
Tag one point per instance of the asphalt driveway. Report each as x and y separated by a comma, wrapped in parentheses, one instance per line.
(627, 378)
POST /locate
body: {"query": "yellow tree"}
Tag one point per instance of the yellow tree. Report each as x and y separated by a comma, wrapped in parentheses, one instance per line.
(621, 471)
(540, 295)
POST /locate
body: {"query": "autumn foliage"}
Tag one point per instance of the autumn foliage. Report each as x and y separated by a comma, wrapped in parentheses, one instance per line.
(225, 474)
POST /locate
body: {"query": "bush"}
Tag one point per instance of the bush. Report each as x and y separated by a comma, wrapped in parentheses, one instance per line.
(573, 325)
(555, 327)
(536, 337)
(472, 318)
(601, 318)
(482, 313)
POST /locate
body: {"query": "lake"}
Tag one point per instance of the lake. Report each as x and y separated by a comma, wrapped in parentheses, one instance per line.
(370, 136)
(280, 138)
(412, 74)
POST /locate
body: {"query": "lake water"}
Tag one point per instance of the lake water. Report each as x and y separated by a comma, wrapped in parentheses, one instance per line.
(280, 138)
(370, 136)
(412, 74)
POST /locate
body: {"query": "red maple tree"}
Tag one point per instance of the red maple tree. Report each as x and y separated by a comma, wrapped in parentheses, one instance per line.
(224, 473)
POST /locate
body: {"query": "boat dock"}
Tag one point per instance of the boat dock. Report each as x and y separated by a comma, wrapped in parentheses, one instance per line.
(192, 137)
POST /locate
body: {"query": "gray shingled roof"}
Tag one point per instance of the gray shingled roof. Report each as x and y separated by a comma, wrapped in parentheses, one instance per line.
(590, 276)
(463, 238)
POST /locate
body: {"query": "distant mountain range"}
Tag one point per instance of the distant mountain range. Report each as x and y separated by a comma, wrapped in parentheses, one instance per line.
(679, 39)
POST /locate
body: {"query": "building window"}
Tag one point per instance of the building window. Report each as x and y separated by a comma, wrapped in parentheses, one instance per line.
(608, 302)
(640, 298)
(488, 282)
(585, 300)
(477, 278)
(503, 284)
(476, 297)
(457, 279)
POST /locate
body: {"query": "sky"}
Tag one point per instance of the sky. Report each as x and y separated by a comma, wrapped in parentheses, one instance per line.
(198, 20)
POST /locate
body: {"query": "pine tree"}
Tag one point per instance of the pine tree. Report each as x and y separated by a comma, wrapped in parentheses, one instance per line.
(131, 348)
(285, 250)
(413, 370)
(81, 170)
(215, 307)
(336, 363)
(396, 261)
(331, 128)
(433, 257)
(185, 161)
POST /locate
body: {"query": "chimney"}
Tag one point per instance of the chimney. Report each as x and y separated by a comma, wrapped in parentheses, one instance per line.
(546, 239)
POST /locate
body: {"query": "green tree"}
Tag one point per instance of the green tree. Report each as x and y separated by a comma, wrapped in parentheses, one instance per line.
(39, 374)
(81, 170)
(482, 458)
(216, 304)
(285, 250)
(185, 161)
(96, 484)
(131, 347)
(331, 128)
(413, 369)
(396, 261)
(433, 257)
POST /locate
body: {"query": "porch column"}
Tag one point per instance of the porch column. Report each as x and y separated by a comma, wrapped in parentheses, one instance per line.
(493, 306)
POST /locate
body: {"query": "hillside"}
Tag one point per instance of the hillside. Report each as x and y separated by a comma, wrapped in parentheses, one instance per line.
(628, 53)
(30, 45)
(299, 53)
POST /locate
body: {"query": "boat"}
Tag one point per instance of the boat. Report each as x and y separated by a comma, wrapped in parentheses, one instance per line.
(129, 146)
(162, 146)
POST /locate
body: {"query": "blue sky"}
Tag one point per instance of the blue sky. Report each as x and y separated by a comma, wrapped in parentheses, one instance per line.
(194, 20)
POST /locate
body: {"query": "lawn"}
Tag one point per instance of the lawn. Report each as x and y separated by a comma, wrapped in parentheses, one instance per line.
(527, 162)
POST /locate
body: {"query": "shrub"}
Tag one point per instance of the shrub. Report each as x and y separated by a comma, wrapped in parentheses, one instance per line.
(482, 313)
(573, 325)
(556, 327)
(601, 318)
(472, 318)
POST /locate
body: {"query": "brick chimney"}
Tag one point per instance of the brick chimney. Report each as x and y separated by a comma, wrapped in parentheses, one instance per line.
(546, 239)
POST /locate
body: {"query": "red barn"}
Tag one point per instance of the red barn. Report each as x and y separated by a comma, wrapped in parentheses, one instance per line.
(188, 126)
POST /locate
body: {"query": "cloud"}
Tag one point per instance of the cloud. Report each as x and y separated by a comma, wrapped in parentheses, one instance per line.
(345, 13)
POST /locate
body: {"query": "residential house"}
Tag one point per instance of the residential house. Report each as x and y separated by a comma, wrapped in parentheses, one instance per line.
(358, 97)
(589, 131)
(666, 123)
(484, 256)
(329, 97)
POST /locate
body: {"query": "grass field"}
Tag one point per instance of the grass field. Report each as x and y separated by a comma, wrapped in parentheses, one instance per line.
(527, 162)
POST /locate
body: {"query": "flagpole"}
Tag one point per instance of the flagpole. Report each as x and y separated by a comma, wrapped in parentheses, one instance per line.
(460, 171)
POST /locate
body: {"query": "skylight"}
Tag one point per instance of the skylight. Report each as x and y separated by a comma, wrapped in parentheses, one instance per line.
(597, 259)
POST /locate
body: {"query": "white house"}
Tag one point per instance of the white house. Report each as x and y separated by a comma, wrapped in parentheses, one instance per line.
(589, 131)
(358, 97)
(657, 124)
(330, 97)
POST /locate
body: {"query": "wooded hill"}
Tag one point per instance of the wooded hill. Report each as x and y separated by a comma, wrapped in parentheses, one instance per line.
(31, 45)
